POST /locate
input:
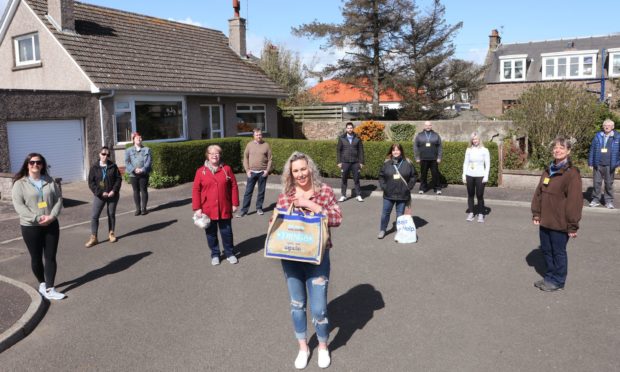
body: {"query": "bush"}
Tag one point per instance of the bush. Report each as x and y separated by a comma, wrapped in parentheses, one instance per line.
(402, 132)
(514, 157)
(370, 131)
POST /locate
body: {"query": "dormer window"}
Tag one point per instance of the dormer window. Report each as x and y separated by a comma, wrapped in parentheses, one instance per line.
(27, 50)
(614, 62)
(513, 67)
(569, 65)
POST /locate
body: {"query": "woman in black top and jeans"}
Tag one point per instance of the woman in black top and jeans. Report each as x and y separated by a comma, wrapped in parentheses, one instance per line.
(104, 180)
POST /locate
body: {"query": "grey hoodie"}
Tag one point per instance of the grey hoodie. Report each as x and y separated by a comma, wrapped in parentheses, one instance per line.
(26, 198)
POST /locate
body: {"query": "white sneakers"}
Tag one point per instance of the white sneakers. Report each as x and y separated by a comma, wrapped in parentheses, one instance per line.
(342, 198)
(50, 293)
(301, 361)
(215, 261)
(470, 217)
(232, 259)
(359, 198)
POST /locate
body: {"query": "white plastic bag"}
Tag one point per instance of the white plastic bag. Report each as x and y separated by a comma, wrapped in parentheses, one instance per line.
(203, 221)
(405, 230)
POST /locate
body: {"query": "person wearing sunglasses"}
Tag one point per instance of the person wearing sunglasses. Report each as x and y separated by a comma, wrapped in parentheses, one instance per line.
(138, 166)
(104, 180)
(38, 202)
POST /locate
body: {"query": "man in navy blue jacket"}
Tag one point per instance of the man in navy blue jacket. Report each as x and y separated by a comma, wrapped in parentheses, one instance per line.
(350, 158)
(603, 160)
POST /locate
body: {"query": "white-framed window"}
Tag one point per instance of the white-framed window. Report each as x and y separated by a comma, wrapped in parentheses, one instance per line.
(569, 65)
(614, 62)
(250, 116)
(155, 118)
(513, 67)
(27, 49)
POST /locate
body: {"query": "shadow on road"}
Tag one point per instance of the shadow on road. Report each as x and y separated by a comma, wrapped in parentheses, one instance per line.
(116, 266)
(350, 312)
(68, 203)
(149, 228)
(536, 260)
(172, 204)
(250, 246)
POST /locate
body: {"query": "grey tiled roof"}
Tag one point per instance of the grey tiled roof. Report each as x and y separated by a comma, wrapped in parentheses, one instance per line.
(535, 49)
(128, 51)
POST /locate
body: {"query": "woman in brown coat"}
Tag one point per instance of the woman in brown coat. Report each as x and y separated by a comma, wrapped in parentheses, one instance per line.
(556, 208)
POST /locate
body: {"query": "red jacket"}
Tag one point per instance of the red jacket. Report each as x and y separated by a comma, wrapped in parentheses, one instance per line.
(215, 194)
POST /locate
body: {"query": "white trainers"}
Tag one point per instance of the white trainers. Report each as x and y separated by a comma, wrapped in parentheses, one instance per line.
(324, 359)
(438, 192)
(51, 294)
(232, 259)
(301, 361)
(342, 198)
(481, 218)
(470, 217)
(42, 288)
(359, 198)
(215, 261)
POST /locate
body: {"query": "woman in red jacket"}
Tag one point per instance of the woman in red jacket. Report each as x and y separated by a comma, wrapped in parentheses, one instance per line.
(215, 194)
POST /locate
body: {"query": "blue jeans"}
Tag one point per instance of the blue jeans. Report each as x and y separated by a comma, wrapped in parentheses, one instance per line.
(249, 190)
(387, 210)
(553, 245)
(315, 278)
(226, 233)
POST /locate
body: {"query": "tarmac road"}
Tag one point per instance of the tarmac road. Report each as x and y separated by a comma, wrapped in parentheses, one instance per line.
(461, 299)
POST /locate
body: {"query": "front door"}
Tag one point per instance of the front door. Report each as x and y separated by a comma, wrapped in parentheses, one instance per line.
(212, 121)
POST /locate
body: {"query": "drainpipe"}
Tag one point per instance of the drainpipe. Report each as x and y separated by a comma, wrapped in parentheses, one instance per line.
(602, 98)
(101, 98)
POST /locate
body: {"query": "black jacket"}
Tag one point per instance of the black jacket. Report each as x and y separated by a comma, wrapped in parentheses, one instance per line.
(395, 188)
(350, 152)
(112, 182)
(423, 152)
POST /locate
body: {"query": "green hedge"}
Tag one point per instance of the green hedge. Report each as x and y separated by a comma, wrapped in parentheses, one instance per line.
(183, 158)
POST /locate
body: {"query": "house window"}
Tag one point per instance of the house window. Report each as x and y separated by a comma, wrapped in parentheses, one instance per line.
(614, 64)
(513, 67)
(250, 116)
(27, 50)
(156, 119)
(569, 65)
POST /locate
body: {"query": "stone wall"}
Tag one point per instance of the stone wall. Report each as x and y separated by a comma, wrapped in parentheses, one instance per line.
(5, 186)
(449, 130)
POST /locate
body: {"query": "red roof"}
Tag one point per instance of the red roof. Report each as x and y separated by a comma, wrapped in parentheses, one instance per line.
(334, 91)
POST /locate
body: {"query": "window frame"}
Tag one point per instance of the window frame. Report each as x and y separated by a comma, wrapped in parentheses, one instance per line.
(567, 56)
(36, 49)
(131, 100)
(613, 53)
(251, 110)
(512, 60)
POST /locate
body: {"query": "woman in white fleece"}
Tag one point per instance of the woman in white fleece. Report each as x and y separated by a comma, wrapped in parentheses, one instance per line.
(475, 175)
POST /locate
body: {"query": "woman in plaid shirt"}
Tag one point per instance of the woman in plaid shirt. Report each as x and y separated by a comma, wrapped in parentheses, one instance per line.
(303, 188)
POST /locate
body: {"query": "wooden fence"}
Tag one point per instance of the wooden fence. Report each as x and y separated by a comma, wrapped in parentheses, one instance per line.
(314, 112)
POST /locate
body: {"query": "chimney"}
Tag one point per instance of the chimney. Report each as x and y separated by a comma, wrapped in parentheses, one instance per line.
(494, 40)
(61, 13)
(236, 31)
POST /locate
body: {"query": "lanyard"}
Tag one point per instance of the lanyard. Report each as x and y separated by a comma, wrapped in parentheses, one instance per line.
(428, 136)
(605, 139)
(104, 171)
(399, 164)
(39, 189)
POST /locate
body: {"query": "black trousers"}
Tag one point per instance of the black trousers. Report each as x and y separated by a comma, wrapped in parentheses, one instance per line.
(355, 169)
(42, 243)
(425, 165)
(140, 184)
(475, 187)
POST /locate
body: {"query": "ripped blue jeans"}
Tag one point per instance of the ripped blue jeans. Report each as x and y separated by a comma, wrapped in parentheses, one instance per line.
(315, 278)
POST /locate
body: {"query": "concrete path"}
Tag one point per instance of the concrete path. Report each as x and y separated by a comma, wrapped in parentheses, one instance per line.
(461, 299)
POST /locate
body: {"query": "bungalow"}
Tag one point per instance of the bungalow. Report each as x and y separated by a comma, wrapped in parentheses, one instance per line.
(589, 62)
(75, 76)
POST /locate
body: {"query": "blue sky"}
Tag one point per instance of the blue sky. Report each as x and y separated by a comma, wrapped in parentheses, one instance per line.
(521, 21)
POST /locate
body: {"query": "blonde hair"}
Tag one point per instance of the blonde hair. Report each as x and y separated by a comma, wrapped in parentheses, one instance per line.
(471, 140)
(212, 147)
(288, 182)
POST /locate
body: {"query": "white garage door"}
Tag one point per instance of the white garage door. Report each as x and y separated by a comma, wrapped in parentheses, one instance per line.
(60, 141)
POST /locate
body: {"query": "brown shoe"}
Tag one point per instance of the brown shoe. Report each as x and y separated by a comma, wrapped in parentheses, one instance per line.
(92, 241)
(112, 237)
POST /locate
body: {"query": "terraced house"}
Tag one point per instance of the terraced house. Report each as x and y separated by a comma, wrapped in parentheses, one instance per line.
(74, 77)
(590, 62)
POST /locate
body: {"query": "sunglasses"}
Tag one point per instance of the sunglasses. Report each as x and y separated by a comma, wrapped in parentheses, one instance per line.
(37, 162)
(105, 154)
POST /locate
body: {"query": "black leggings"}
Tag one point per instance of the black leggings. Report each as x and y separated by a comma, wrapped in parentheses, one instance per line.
(42, 242)
(140, 191)
(98, 205)
(475, 186)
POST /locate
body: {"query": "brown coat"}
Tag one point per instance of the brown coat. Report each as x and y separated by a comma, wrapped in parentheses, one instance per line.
(557, 205)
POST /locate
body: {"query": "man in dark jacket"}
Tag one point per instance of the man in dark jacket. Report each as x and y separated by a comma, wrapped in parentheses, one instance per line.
(428, 151)
(604, 158)
(350, 158)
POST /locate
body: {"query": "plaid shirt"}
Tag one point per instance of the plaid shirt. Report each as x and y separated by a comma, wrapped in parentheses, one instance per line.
(325, 198)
